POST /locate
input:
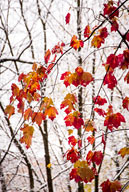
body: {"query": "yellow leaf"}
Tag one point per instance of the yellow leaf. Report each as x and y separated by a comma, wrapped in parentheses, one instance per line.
(49, 165)
(87, 188)
(70, 131)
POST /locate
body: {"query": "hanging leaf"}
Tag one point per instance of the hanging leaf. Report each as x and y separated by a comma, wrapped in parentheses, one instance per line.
(89, 125)
(124, 151)
(72, 141)
(47, 56)
(69, 102)
(87, 31)
(99, 100)
(10, 110)
(73, 155)
(111, 186)
(27, 135)
(67, 18)
(75, 43)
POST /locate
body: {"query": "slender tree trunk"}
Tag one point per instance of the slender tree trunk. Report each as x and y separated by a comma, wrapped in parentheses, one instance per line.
(93, 116)
(80, 102)
(2, 178)
(45, 132)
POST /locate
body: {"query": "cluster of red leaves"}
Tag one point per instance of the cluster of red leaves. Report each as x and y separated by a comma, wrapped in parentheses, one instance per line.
(82, 172)
(99, 100)
(121, 61)
(113, 119)
(109, 8)
(69, 102)
(75, 43)
(94, 157)
(74, 119)
(111, 186)
(58, 48)
(99, 39)
(72, 155)
(78, 78)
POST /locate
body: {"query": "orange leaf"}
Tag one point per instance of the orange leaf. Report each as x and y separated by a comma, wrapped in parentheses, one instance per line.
(38, 117)
(75, 43)
(51, 112)
(84, 171)
(124, 151)
(46, 103)
(69, 102)
(15, 90)
(89, 125)
(28, 114)
(10, 110)
(34, 66)
(47, 56)
(27, 135)
(86, 78)
(97, 41)
(91, 139)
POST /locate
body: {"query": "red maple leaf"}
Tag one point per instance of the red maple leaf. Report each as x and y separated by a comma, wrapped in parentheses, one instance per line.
(99, 100)
(103, 32)
(87, 31)
(101, 112)
(72, 140)
(97, 157)
(74, 119)
(67, 18)
(58, 48)
(91, 139)
(113, 120)
(112, 60)
(114, 25)
(74, 175)
(110, 80)
(94, 157)
(109, 8)
(111, 186)
(126, 103)
(73, 155)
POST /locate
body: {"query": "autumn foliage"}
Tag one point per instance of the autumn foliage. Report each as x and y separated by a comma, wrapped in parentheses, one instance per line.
(84, 169)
